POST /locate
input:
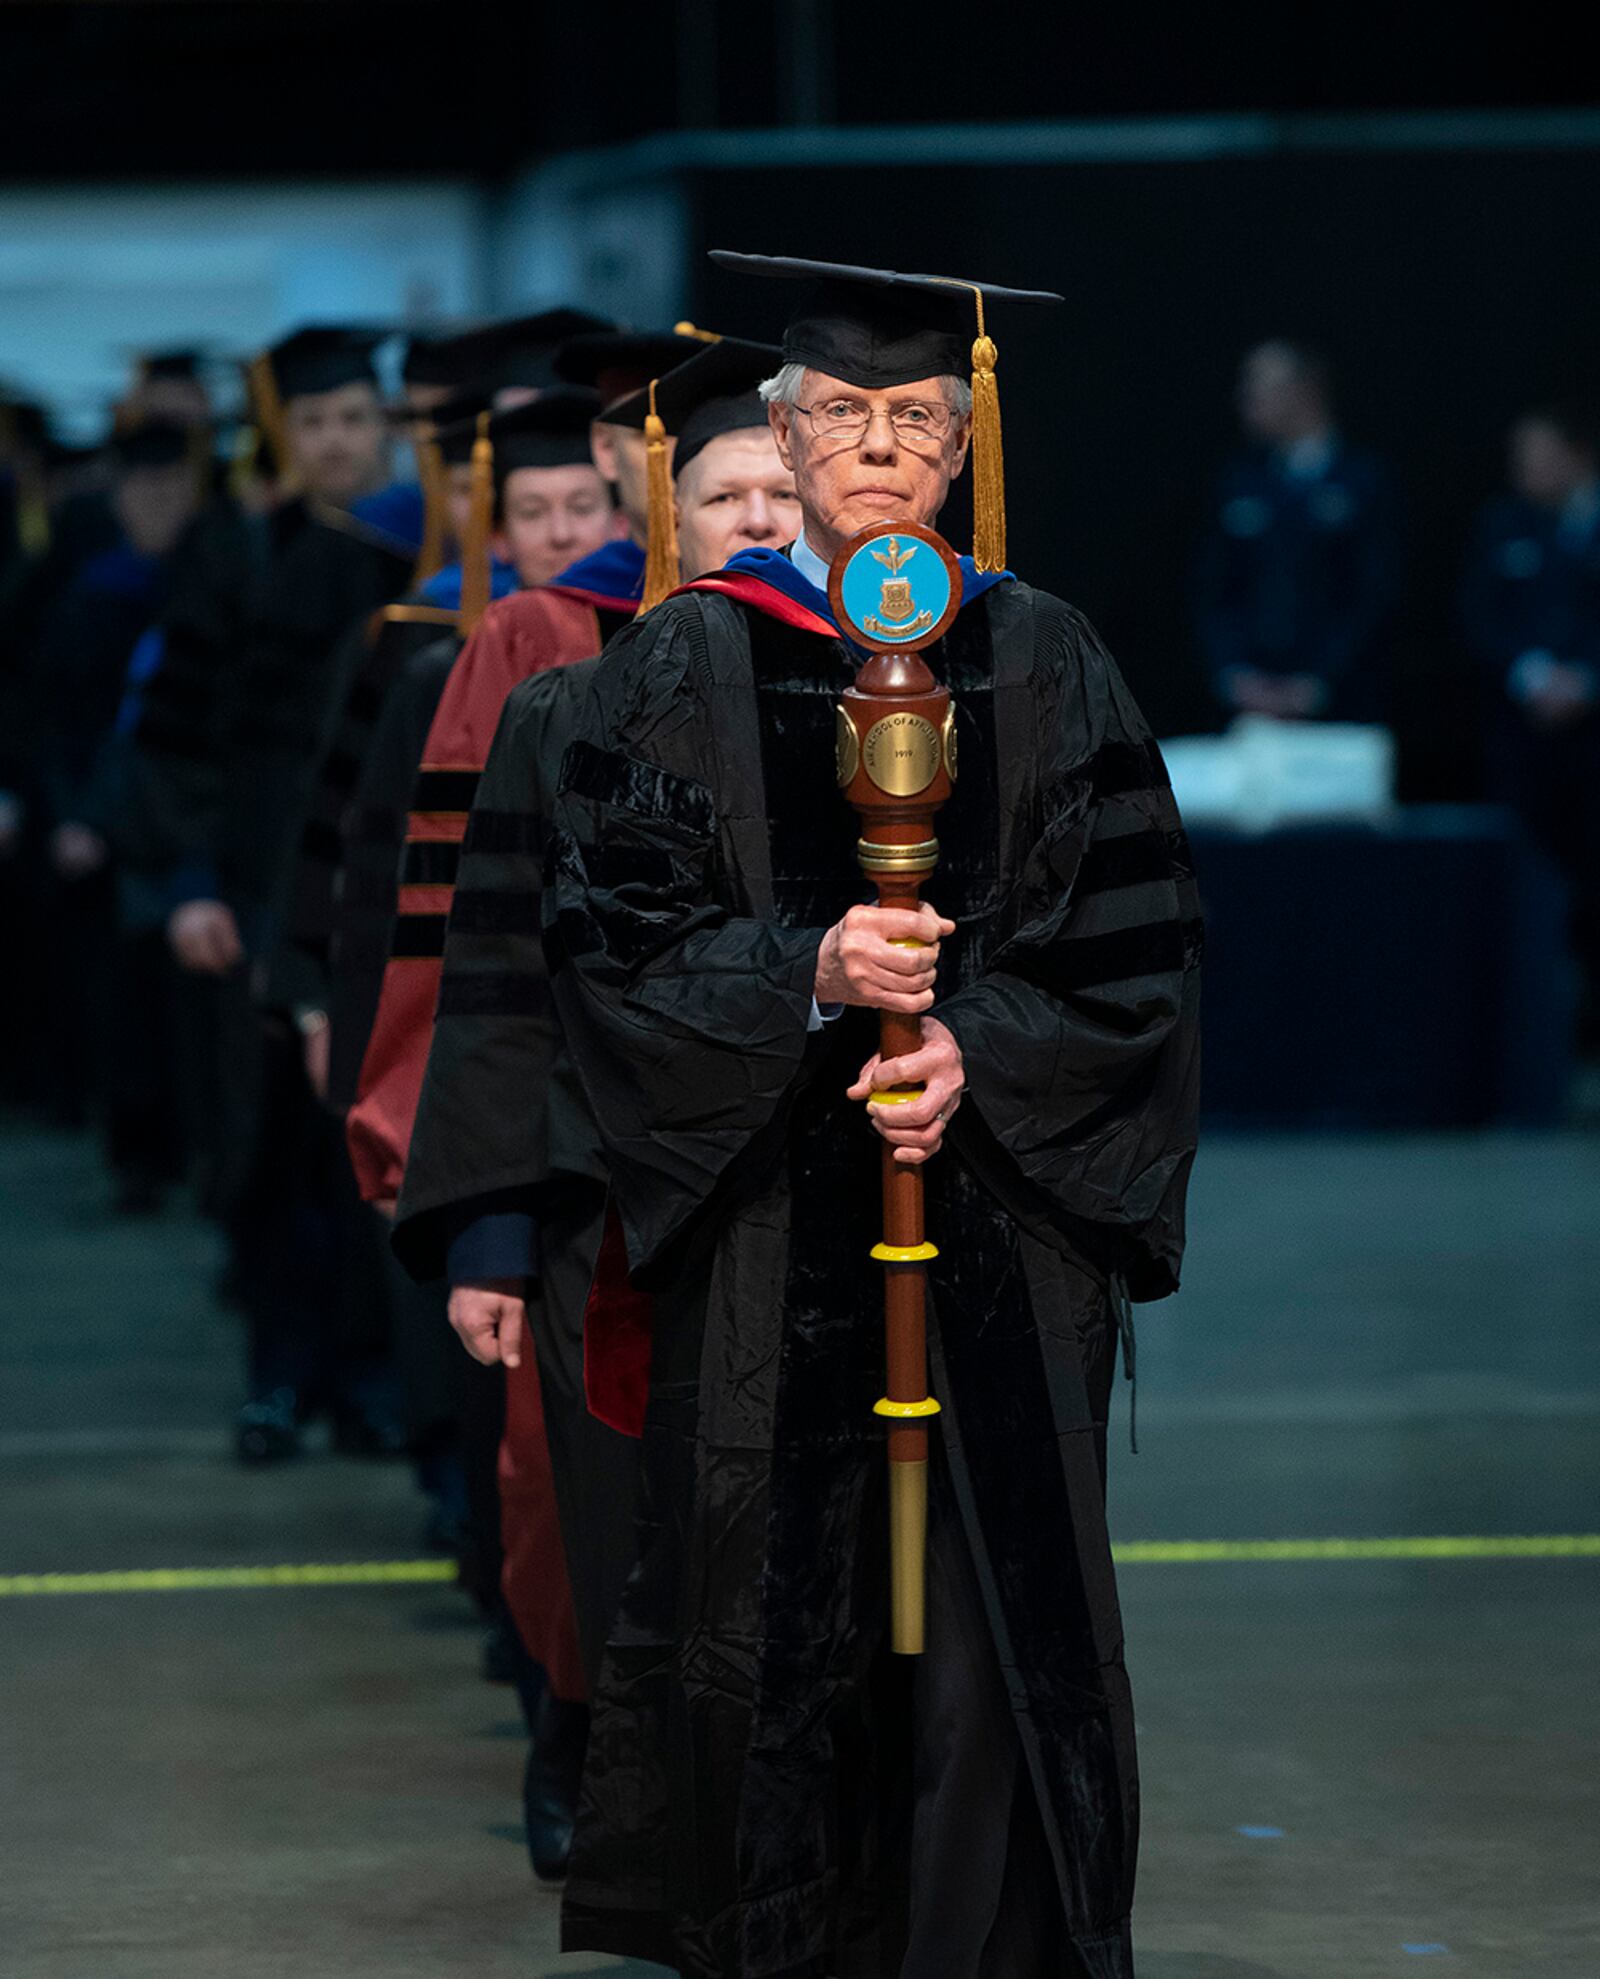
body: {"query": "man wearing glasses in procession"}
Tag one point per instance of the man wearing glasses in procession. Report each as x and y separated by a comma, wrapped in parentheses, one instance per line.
(769, 1791)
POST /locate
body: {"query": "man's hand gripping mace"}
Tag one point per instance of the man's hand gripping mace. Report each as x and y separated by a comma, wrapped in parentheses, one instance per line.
(896, 762)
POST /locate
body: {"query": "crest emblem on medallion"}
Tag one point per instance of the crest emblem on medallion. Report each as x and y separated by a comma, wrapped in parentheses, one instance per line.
(895, 585)
(896, 605)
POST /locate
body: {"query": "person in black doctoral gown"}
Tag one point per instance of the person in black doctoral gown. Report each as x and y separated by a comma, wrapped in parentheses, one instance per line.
(111, 1012)
(768, 1792)
(527, 1182)
(307, 1267)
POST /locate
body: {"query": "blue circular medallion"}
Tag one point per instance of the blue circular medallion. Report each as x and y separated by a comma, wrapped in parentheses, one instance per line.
(897, 586)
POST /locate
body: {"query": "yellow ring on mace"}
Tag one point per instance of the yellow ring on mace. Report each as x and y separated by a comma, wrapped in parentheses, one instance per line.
(891, 1096)
(906, 1411)
(919, 858)
(904, 1253)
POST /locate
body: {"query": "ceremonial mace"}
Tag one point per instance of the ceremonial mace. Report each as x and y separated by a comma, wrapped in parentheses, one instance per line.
(896, 762)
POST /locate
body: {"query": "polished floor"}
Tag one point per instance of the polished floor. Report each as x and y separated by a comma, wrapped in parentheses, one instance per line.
(1351, 1765)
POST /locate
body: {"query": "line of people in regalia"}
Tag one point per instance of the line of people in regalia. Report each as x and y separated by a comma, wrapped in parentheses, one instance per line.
(248, 699)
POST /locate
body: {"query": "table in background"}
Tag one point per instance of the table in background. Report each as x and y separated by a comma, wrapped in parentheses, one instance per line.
(1414, 974)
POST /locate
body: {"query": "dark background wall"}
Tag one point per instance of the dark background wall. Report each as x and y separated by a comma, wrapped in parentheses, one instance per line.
(1448, 287)
(1448, 290)
(196, 87)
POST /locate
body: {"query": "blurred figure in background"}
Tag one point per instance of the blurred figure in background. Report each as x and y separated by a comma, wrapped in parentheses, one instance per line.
(1530, 604)
(169, 386)
(108, 1011)
(24, 534)
(259, 687)
(1299, 574)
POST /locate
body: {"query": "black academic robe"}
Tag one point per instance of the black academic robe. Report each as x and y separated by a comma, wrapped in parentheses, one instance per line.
(172, 781)
(372, 658)
(365, 888)
(502, 1125)
(501, 1113)
(738, 1761)
(327, 575)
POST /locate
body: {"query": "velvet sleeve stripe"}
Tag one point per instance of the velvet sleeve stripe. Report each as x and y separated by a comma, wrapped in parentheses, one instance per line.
(1096, 961)
(444, 790)
(607, 777)
(1135, 859)
(465, 994)
(476, 912)
(500, 834)
(368, 824)
(419, 937)
(1119, 769)
(430, 862)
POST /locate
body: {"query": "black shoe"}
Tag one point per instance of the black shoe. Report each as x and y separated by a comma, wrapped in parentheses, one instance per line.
(550, 1785)
(267, 1430)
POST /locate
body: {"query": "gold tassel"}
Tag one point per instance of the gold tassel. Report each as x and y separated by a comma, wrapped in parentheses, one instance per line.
(242, 466)
(703, 336)
(268, 407)
(435, 509)
(33, 510)
(661, 530)
(988, 458)
(476, 582)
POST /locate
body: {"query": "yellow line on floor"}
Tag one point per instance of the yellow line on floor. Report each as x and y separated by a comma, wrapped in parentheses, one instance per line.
(1207, 1552)
(1133, 1553)
(188, 1580)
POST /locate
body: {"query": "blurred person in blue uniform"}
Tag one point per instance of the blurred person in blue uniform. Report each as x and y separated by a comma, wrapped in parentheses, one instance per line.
(107, 1035)
(1298, 577)
(1530, 606)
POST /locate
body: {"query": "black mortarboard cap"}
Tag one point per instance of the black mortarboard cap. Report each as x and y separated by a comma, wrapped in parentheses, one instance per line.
(152, 443)
(23, 424)
(713, 392)
(454, 425)
(322, 358)
(617, 362)
(873, 328)
(551, 431)
(722, 370)
(431, 359)
(183, 361)
(519, 351)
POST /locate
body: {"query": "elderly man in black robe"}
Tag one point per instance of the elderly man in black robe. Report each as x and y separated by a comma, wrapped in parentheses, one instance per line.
(770, 1792)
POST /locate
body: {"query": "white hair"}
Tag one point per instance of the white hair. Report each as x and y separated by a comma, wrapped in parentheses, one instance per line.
(784, 388)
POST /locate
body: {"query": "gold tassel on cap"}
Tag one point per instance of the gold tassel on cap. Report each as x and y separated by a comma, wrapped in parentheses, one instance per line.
(661, 528)
(435, 508)
(703, 336)
(988, 458)
(476, 581)
(268, 407)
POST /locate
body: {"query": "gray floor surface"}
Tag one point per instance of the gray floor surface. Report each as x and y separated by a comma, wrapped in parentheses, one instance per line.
(1350, 1767)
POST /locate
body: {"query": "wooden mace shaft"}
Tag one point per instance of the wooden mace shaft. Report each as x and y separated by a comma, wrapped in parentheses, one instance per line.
(896, 773)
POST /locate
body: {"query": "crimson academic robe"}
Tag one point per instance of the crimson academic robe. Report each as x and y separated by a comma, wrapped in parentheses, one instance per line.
(736, 1817)
(518, 637)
